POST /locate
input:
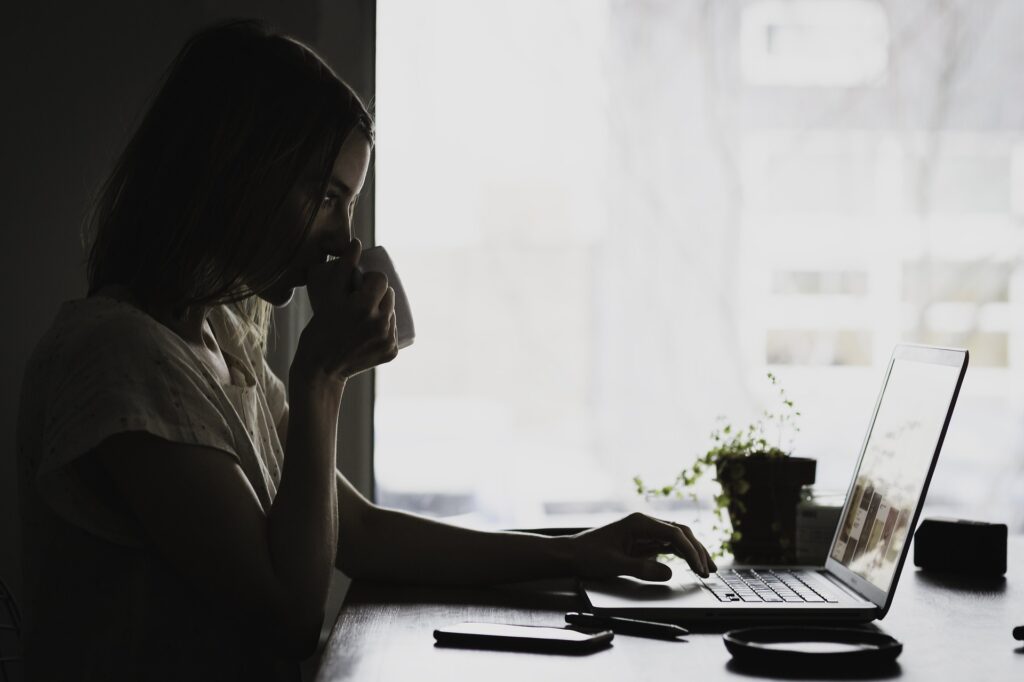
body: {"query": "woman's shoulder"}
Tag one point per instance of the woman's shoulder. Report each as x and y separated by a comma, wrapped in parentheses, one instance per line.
(91, 345)
(97, 332)
(100, 324)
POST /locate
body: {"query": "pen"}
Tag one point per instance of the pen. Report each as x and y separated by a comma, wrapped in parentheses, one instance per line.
(627, 626)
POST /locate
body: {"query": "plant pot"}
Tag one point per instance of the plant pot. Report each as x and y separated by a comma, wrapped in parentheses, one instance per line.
(763, 495)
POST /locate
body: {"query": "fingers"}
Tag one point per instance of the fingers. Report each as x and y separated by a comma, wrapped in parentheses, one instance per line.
(381, 329)
(647, 569)
(348, 257)
(673, 535)
(651, 548)
(354, 309)
(387, 302)
(373, 290)
(393, 330)
(688, 550)
(708, 562)
(323, 280)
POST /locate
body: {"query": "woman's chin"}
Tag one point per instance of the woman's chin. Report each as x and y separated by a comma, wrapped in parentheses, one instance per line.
(278, 297)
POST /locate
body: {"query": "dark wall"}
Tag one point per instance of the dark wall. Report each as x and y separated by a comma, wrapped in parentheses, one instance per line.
(76, 79)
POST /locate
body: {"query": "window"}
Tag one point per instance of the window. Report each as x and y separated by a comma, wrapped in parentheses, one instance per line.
(614, 218)
(814, 43)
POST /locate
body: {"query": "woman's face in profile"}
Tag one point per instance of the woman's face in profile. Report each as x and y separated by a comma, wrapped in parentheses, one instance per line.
(332, 227)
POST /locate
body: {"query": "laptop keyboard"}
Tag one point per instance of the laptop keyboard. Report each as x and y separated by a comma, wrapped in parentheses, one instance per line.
(758, 585)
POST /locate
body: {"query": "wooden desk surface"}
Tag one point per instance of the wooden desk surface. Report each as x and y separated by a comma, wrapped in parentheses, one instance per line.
(950, 629)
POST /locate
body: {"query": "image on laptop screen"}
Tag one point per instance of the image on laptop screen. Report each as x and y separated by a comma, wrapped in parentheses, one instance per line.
(892, 473)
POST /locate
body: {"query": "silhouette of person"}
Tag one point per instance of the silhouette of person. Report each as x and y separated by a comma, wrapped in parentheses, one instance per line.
(182, 514)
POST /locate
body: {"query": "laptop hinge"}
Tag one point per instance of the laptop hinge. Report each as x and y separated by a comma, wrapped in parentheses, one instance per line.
(844, 586)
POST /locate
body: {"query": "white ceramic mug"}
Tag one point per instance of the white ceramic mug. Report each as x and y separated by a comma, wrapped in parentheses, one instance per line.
(376, 259)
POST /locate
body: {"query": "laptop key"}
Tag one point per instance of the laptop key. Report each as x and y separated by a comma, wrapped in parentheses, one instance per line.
(765, 586)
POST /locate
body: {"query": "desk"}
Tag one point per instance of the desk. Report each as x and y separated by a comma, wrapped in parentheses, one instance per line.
(950, 629)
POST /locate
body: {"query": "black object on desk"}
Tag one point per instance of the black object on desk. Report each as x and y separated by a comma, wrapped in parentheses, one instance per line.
(812, 648)
(627, 626)
(960, 546)
(511, 637)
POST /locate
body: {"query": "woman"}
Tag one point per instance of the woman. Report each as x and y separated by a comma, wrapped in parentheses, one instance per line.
(167, 534)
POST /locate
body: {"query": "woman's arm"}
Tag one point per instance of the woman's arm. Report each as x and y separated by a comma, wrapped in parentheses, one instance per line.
(394, 546)
(303, 521)
(422, 550)
(389, 545)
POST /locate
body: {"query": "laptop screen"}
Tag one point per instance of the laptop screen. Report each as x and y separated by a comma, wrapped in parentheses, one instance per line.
(897, 458)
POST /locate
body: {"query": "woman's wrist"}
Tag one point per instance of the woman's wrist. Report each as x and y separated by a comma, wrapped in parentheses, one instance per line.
(562, 551)
(306, 372)
(305, 376)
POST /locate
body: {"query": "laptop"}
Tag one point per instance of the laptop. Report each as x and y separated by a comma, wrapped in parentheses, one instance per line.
(870, 544)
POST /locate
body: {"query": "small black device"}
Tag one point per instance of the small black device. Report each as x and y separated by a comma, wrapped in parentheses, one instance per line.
(522, 638)
(959, 546)
(627, 626)
(1018, 632)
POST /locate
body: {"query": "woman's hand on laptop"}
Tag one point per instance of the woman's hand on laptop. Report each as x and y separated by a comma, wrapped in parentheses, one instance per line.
(629, 547)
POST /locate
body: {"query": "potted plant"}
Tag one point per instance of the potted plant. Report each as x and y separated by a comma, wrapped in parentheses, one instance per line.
(761, 485)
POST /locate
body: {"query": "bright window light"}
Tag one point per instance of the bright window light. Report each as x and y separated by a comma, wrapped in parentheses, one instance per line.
(613, 219)
(838, 43)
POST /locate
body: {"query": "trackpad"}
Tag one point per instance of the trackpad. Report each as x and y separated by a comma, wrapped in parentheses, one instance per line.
(626, 592)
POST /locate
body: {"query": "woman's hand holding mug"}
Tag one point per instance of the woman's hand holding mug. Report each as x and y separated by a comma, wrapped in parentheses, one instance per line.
(353, 327)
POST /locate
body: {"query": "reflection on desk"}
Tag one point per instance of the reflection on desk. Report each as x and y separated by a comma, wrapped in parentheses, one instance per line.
(951, 629)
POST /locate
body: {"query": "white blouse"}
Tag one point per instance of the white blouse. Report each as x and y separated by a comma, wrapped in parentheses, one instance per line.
(100, 603)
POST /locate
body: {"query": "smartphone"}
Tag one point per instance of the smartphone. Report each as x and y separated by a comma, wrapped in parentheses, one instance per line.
(376, 259)
(522, 638)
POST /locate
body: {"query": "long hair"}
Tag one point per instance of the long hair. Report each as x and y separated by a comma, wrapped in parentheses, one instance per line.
(195, 211)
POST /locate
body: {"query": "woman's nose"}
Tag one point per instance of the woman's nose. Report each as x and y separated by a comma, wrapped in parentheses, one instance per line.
(337, 238)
